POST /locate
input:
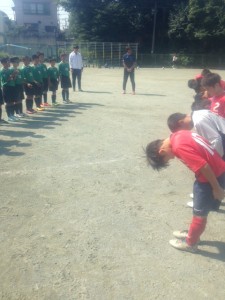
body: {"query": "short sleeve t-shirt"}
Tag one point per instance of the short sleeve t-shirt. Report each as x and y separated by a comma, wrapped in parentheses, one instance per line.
(195, 152)
(129, 60)
(43, 69)
(37, 73)
(53, 73)
(6, 77)
(28, 74)
(64, 69)
(218, 105)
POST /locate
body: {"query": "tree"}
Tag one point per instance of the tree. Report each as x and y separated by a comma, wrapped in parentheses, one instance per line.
(201, 23)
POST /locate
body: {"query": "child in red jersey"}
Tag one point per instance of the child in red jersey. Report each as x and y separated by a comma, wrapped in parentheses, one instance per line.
(209, 168)
(212, 83)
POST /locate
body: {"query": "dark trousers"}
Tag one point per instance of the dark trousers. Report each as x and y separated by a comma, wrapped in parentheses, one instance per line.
(125, 77)
(76, 74)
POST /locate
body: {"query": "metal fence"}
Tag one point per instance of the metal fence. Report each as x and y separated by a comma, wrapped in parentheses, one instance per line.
(96, 54)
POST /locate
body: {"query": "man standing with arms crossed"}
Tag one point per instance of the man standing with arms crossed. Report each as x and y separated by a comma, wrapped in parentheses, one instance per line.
(76, 67)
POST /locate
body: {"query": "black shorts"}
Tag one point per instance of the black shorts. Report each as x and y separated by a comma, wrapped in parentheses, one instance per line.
(1, 97)
(38, 89)
(29, 90)
(203, 196)
(53, 86)
(19, 92)
(45, 85)
(9, 94)
(65, 82)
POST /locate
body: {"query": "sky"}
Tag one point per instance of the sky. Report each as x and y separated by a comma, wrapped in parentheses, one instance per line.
(6, 6)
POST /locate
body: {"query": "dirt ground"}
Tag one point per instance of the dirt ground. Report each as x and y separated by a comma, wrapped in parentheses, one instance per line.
(83, 217)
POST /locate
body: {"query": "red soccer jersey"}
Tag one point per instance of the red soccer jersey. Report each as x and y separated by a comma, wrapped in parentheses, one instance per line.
(195, 152)
(218, 105)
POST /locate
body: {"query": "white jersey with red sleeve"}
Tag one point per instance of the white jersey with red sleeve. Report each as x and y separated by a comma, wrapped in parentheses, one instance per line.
(218, 105)
(195, 152)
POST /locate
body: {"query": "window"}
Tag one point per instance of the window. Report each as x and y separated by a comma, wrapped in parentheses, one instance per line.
(35, 8)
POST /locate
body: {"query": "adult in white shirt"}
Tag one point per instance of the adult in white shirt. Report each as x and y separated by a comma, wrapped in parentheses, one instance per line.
(76, 67)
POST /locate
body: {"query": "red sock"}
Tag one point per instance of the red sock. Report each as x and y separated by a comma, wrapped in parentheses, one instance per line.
(196, 229)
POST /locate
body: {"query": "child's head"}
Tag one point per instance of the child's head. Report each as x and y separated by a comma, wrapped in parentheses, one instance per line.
(205, 72)
(52, 62)
(35, 59)
(158, 153)
(15, 61)
(211, 83)
(26, 60)
(63, 56)
(41, 57)
(178, 121)
(195, 85)
(202, 104)
(5, 62)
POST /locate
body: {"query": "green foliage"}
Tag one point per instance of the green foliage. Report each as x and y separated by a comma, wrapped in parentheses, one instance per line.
(201, 23)
(3, 54)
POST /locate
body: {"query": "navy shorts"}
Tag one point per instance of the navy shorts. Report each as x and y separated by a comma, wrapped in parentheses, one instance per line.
(65, 82)
(38, 89)
(53, 85)
(204, 201)
(9, 94)
(29, 90)
(19, 92)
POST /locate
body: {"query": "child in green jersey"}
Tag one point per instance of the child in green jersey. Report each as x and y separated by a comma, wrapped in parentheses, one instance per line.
(38, 83)
(18, 106)
(8, 88)
(53, 80)
(44, 71)
(28, 84)
(64, 75)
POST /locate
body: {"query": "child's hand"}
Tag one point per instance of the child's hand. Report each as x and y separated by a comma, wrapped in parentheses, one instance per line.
(219, 193)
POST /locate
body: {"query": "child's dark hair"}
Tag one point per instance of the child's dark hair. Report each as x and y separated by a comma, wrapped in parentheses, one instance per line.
(4, 60)
(154, 159)
(173, 121)
(34, 56)
(195, 84)
(205, 72)
(203, 104)
(211, 79)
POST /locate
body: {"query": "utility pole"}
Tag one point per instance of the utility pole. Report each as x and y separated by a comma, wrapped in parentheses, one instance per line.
(154, 13)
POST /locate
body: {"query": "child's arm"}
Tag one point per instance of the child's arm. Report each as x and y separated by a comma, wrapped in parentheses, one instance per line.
(207, 172)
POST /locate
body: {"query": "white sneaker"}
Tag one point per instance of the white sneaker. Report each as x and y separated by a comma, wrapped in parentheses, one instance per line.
(183, 246)
(190, 204)
(180, 234)
(191, 196)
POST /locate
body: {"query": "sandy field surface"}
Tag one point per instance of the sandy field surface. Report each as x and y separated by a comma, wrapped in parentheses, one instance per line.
(83, 217)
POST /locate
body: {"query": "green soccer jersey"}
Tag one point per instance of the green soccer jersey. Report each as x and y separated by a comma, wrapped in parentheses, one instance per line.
(18, 76)
(44, 70)
(53, 73)
(7, 77)
(64, 69)
(28, 74)
(37, 74)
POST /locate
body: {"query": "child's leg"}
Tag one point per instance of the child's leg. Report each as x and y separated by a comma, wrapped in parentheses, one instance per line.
(67, 94)
(53, 97)
(64, 94)
(197, 227)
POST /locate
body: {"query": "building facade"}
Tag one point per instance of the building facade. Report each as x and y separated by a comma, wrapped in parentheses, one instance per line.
(39, 17)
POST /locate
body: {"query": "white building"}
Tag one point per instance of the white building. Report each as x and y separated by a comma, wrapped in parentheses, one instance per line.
(38, 16)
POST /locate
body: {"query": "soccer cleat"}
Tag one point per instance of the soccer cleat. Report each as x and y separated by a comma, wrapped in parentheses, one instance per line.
(17, 116)
(40, 109)
(55, 104)
(133, 93)
(11, 119)
(42, 105)
(30, 112)
(46, 104)
(124, 92)
(191, 195)
(180, 234)
(183, 246)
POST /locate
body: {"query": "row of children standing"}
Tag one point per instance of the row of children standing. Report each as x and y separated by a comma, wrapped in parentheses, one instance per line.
(32, 83)
(202, 151)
